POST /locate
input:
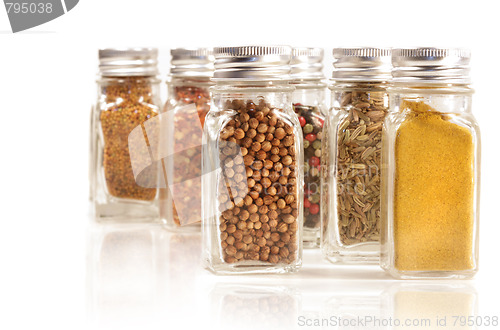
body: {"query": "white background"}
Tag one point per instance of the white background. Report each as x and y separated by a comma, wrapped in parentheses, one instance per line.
(60, 271)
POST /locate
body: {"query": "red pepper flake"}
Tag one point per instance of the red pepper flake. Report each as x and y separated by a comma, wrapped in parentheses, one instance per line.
(196, 95)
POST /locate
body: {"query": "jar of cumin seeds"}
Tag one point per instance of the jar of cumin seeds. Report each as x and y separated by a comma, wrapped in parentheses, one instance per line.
(309, 104)
(182, 128)
(352, 149)
(123, 173)
(252, 186)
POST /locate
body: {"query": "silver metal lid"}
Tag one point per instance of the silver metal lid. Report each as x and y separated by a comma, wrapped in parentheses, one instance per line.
(431, 65)
(361, 64)
(252, 63)
(192, 62)
(120, 62)
(307, 63)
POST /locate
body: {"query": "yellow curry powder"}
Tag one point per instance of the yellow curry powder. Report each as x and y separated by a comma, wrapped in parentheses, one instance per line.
(434, 192)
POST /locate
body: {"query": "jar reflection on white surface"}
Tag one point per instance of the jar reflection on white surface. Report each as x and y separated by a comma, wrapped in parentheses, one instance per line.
(352, 301)
(181, 274)
(252, 189)
(124, 261)
(435, 305)
(270, 307)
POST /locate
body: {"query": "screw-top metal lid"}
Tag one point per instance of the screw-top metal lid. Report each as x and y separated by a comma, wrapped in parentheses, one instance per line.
(192, 62)
(120, 62)
(307, 63)
(361, 64)
(431, 65)
(252, 63)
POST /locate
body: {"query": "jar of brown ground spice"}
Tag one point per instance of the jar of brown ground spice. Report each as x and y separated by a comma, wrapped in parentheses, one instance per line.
(252, 185)
(123, 173)
(182, 128)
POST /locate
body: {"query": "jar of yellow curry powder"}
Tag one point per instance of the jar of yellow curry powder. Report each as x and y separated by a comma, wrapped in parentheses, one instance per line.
(430, 167)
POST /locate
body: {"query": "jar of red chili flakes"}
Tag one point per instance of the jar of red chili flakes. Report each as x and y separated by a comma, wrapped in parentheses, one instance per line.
(182, 124)
(309, 105)
(123, 174)
(252, 186)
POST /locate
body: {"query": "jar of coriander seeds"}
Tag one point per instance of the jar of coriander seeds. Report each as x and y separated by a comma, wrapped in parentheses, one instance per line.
(124, 166)
(309, 104)
(352, 146)
(182, 122)
(431, 167)
(252, 185)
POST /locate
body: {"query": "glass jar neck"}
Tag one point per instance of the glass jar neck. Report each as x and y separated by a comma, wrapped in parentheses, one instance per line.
(189, 90)
(201, 82)
(276, 94)
(420, 98)
(344, 94)
(357, 85)
(308, 84)
(103, 80)
(238, 86)
(424, 89)
(141, 89)
(310, 98)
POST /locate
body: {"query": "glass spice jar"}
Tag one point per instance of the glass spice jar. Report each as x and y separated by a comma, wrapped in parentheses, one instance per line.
(184, 115)
(430, 161)
(253, 186)
(309, 105)
(123, 176)
(351, 155)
